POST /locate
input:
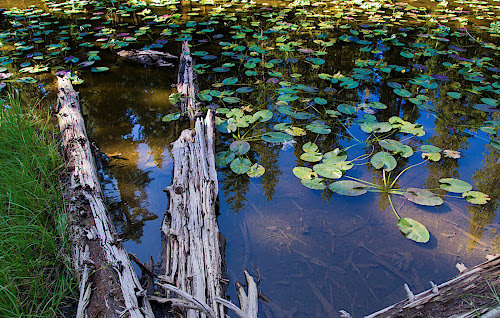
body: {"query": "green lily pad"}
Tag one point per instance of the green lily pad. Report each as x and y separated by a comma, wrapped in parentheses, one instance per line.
(455, 95)
(396, 147)
(171, 117)
(304, 173)
(430, 148)
(240, 147)
(476, 197)
(327, 170)
(311, 156)
(348, 187)
(230, 81)
(384, 160)
(320, 101)
(314, 184)
(256, 171)
(295, 131)
(99, 69)
(240, 165)
(222, 158)
(422, 197)
(310, 147)
(319, 128)
(346, 109)
(263, 115)
(414, 230)
(454, 185)
(402, 92)
(275, 137)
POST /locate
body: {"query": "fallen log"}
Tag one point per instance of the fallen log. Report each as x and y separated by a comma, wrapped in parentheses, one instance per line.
(109, 286)
(191, 248)
(471, 294)
(148, 57)
(187, 84)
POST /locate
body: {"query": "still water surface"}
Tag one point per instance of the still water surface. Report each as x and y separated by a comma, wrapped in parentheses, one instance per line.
(314, 252)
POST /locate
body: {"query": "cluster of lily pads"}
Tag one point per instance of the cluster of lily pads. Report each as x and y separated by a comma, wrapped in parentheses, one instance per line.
(306, 70)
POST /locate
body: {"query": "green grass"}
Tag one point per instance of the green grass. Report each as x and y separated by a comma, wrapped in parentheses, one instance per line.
(36, 279)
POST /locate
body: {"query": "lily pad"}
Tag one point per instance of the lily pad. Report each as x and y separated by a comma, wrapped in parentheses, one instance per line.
(224, 157)
(454, 185)
(171, 117)
(311, 156)
(327, 170)
(348, 187)
(310, 147)
(422, 197)
(240, 147)
(99, 69)
(476, 197)
(240, 165)
(314, 184)
(414, 230)
(275, 137)
(304, 173)
(384, 160)
(256, 171)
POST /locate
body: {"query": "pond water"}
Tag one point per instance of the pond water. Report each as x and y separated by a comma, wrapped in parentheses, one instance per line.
(333, 75)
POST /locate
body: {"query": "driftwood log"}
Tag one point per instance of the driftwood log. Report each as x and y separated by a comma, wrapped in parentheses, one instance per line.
(148, 57)
(187, 84)
(191, 248)
(473, 293)
(109, 286)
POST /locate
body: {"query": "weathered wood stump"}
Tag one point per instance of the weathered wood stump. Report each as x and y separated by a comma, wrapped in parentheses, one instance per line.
(109, 286)
(470, 294)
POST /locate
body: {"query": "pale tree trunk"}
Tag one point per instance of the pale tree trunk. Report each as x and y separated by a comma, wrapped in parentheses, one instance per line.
(109, 287)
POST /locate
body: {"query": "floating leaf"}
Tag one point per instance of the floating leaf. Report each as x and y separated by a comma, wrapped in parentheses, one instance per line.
(310, 147)
(304, 173)
(171, 117)
(314, 184)
(99, 69)
(348, 187)
(224, 157)
(384, 160)
(346, 109)
(396, 147)
(275, 137)
(320, 101)
(455, 95)
(319, 128)
(476, 197)
(454, 185)
(240, 147)
(230, 81)
(311, 156)
(422, 197)
(414, 230)
(256, 171)
(295, 131)
(402, 92)
(240, 165)
(327, 170)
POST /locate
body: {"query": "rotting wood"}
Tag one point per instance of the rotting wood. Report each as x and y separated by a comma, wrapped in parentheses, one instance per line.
(187, 84)
(109, 286)
(148, 57)
(191, 247)
(468, 295)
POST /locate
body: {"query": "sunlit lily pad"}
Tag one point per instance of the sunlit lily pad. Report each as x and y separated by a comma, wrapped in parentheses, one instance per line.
(240, 165)
(384, 160)
(304, 173)
(348, 187)
(413, 230)
(310, 147)
(230, 81)
(99, 69)
(256, 171)
(422, 197)
(311, 156)
(327, 170)
(476, 197)
(454, 185)
(314, 184)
